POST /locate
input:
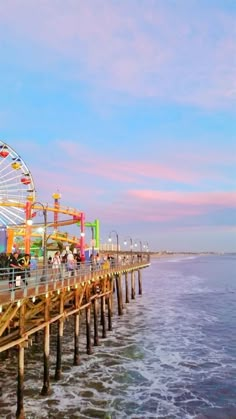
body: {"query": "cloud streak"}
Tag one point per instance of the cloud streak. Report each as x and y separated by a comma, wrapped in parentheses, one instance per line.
(150, 50)
(219, 199)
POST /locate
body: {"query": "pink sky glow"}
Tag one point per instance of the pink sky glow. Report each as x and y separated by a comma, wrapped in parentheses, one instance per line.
(127, 108)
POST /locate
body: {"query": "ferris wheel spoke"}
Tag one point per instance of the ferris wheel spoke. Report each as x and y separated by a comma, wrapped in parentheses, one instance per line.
(9, 219)
(13, 214)
(16, 186)
(3, 222)
(7, 177)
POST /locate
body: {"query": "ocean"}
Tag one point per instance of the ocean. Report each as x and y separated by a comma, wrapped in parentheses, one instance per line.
(171, 355)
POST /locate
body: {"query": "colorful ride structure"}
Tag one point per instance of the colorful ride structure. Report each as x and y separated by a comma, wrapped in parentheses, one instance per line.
(19, 209)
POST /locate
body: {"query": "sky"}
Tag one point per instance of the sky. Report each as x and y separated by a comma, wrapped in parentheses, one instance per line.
(127, 108)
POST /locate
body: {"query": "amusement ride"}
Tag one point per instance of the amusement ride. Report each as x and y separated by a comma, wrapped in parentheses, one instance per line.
(19, 209)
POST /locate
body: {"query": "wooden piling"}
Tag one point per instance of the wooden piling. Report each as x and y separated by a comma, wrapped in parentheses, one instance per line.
(111, 279)
(103, 307)
(132, 286)
(109, 313)
(88, 329)
(76, 329)
(140, 290)
(20, 387)
(126, 288)
(20, 379)
(46, 382)
(119, 295)
(95, 318)
(60, 330)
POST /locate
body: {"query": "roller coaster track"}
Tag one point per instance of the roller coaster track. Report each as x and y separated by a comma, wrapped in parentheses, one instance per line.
(62, 210)
(57, 236)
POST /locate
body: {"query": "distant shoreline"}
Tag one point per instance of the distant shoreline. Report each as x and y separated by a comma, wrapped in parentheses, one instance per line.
(168, 254)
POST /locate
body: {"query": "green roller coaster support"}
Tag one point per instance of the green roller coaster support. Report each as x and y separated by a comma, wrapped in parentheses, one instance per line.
(96, 225)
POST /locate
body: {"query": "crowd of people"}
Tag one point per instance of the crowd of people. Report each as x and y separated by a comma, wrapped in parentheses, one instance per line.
(17, 267)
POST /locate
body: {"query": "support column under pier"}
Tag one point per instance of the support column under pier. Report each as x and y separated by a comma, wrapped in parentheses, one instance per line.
(76, 339)
(126, 288)
(119, 294)
(103, 316)
(95, 318)
(140, 289)
(21, 359)
(132, 286)
(76, 329)
(88, 329)
(20, 385)
(46, 382)
(109, 313)
(60, 331)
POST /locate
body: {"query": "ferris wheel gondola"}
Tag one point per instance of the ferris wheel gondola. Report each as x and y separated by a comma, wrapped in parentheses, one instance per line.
(16, 186)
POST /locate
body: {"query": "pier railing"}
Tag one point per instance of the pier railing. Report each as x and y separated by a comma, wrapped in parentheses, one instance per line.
(18, 283)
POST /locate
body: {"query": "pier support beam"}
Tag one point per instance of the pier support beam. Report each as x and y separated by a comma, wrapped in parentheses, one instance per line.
(76, 339)
(95, 318)
(103, 316)
(76, 330)
(88, 329)
(109, 313)
(46, 382)
(58, 371)
(20, 414)
(140, 290)
(119, 294)
(132, 286)
(126, 288)
(111, 285)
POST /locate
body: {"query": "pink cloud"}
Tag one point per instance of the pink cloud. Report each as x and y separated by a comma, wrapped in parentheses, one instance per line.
(150, 50)
(225, 199)
(124, 170)
(213, 229)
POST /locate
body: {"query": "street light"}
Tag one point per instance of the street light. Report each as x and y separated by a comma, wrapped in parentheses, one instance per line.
(117, 243)
(145, 246)
(131, 246)
(140, 246)
(41, 231)
(30, 222)
(136, 241)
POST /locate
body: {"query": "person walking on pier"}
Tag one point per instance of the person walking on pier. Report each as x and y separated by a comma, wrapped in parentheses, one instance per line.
(15, 271)
(24, 261)
(71, 264)
(56, 265)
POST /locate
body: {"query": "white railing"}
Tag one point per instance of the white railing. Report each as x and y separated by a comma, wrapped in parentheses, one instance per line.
(12, 279)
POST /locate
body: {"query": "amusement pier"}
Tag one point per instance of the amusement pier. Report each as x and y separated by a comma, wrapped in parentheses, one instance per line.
(88, 282)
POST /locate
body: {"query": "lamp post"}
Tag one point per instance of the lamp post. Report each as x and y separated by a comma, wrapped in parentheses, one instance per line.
(131, 246)
(140, 246)
(117, 243)
(146, 247)
(29, 222)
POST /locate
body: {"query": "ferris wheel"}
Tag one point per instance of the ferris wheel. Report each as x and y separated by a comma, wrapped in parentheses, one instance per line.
(16, 187)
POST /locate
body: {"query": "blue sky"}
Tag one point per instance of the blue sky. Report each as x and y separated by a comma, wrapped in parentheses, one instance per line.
(128, 109)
